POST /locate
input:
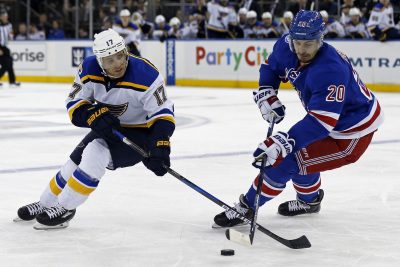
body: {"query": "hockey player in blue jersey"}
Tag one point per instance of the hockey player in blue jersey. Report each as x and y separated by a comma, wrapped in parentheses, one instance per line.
(112, 90)
(342, 116)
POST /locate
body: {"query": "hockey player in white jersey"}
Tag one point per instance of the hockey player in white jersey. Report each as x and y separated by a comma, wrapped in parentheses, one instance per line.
(112, 90)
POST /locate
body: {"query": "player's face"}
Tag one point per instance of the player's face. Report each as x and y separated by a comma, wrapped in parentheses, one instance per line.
(125, 20)
(306, 49)
(115, 65)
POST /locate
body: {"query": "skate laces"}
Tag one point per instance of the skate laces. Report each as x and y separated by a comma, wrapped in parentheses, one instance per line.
(34, 208)
(55, 211)
(230, 214)
(295, 205)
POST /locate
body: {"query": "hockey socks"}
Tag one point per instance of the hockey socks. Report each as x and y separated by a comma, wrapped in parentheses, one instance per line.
(78, 188)
(307, 191)
(269, 190)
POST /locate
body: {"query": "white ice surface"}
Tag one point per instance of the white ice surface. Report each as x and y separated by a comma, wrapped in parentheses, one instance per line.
(137, 219)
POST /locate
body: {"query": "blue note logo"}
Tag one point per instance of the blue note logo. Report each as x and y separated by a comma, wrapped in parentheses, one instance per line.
(79, 54)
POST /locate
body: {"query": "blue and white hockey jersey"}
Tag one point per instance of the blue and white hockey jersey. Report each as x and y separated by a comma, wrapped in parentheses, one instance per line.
(138, 99)
(337, 102)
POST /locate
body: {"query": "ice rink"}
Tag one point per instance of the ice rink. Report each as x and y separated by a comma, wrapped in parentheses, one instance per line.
(137, 219)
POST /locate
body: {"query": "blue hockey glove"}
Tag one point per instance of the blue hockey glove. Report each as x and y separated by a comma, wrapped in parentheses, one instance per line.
(273, 150)
(102, 122)
(159, 150)
(269, 104)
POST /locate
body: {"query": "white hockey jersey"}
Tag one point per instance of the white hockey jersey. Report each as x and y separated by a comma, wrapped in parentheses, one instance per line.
(382, 17)
(138, 99)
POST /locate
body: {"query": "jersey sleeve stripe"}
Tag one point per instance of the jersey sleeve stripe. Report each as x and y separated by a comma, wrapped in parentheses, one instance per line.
(364, 124)
(327, 119)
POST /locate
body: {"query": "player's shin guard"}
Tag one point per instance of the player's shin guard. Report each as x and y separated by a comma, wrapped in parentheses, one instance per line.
(269, 190)
(57, 183)
(77, 190)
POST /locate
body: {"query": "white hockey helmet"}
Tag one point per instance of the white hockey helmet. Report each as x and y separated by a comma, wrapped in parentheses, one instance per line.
(125, 13)
(288, 15)
(242, 11)
(251, 14)
(107, 43)
(354, 12)
(159, 19)
(324, 14)
(266, 15)
(174, 22)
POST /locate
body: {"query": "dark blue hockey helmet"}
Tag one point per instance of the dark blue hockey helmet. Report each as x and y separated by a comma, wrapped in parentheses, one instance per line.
(307, 25)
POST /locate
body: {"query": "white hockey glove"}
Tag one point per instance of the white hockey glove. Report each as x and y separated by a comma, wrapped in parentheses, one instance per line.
(273, 150)
(269, 104)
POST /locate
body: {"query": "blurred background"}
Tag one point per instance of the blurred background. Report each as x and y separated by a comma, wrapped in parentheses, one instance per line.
(192, 43)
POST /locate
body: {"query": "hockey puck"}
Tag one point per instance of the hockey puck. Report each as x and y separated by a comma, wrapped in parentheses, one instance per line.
(227, 252)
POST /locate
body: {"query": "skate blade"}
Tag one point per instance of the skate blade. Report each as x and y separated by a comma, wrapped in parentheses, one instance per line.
(216, 226)
(39, 226)
(18, 219)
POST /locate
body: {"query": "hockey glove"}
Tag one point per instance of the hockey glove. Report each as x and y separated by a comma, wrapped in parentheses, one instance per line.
(102, 122)
(159, 150)
(269, 104)
(273, 150)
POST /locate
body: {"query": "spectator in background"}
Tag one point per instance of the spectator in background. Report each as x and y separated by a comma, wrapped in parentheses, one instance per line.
(283, 27)
(252, 25)
(329, 6)
(268, 27)
(146, 27)
(129, 31)
(218, 19)
(200, 12)
(43, 24)
(251, 5)
(242, 20)
(175, 31)
(160, 27)
(6, 60)
(345, 17)
(56, 33)
(200, 8)
(191, 29)
(22, 32)
(107, 23)
(83, 33)
(35, 33)
(299, 5)
(333, 27)
(356, 29)
(381, 22)
(234, 30)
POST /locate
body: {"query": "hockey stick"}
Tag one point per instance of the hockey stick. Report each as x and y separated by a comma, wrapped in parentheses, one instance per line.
(298, 243)
(235, 235)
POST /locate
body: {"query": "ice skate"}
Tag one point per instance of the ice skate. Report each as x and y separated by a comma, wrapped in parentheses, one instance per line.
(230, 218)
(298, 207)
(56, 217)
(29, 212)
